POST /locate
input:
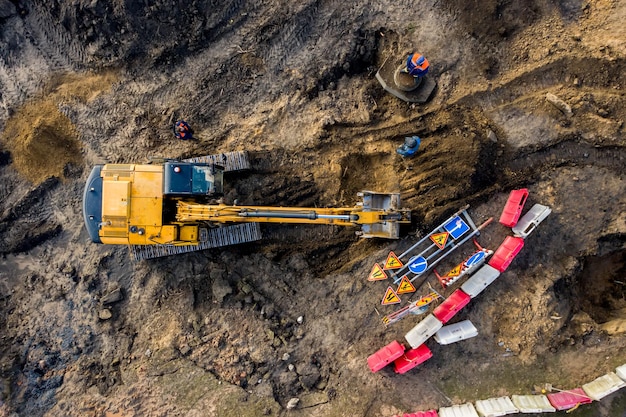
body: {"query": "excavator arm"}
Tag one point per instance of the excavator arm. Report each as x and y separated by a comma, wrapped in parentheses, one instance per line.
(191, 212)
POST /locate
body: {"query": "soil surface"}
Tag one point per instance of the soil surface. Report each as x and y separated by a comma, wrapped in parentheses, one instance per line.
(284, 326)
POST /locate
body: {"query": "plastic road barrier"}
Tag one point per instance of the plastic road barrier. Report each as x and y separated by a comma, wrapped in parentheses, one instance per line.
(621, 372)
(496, 407)
(412, 358)
(455, 302)
(456, 332)
(513, 207)
(423, 331)
(480, 280)
(463, 410)
(532, 404)
(565, 400)
(531, 220)
(505, 254)
(429, 413)
(385, 356)
(603, 386)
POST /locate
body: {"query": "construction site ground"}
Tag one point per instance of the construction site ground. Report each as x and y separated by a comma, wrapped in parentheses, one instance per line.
(244, 330)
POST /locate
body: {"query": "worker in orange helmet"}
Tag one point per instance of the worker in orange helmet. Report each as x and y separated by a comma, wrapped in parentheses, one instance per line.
(416, 65)
(182, 130)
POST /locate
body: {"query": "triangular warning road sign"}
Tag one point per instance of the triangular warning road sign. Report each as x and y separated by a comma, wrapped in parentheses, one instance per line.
(454, 272)
(390, 297)
(377, 273)
(440, 239)
(405, 286)
(393, 262)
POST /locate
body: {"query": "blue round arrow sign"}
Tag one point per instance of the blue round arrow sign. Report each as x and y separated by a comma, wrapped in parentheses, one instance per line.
(475, 258)
(418, 264)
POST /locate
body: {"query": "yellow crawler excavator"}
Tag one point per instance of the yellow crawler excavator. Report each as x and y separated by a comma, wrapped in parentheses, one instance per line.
(173, 207)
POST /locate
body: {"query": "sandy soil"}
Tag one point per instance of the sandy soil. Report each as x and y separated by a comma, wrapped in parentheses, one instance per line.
(217, 332)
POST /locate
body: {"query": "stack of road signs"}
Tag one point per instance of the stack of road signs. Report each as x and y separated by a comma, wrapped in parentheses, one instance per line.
(425, 254)
(419, 306)
(466, 267)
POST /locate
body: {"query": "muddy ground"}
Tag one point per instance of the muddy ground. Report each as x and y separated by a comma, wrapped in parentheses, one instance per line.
(218, 332)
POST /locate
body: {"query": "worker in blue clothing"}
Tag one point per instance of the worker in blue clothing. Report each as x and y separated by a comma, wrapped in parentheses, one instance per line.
(416, 65)
(182, 130)
(410, 146)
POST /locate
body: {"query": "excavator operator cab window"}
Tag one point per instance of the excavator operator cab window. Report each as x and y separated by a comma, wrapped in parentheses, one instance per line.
(207, 180)
(184, 179)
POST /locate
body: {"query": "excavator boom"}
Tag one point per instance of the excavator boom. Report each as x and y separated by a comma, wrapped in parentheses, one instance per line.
(191, 212)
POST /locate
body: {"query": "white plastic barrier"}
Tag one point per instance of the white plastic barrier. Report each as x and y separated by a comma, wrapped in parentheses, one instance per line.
(480, 280)
(496, 407)
(456, 332)
(532, 404)
(621, 372)
(423, 331)
(463, 410)
(603, 386)
(531, 220)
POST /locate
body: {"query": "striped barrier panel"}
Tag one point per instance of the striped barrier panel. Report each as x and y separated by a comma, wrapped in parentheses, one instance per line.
(532, 404)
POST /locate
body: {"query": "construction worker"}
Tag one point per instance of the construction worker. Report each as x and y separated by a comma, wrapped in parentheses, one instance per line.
(410, 146)
(182, 130)
(416, 65)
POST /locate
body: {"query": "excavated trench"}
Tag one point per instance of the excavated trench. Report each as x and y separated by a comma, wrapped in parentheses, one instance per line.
(599, 288)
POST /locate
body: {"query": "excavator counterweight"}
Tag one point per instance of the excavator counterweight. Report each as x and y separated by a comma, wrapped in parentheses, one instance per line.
(173, 207)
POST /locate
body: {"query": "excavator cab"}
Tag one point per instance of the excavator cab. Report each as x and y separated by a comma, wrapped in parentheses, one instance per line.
(193, 179)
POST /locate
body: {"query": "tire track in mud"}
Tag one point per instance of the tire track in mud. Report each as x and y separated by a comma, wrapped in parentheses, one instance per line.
(30, 220)
(529, 165)
(60, 49)
(611, 76)
(562, 71)
(291, 38)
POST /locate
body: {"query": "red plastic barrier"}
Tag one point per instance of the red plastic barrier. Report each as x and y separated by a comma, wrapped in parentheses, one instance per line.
(455, 302)
(385, 356)
(505, 254)
(429, 413)
(565, 400)
(513, 207)
(412, 358)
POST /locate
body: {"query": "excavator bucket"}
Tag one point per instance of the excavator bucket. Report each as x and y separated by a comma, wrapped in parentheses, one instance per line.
(389, 203)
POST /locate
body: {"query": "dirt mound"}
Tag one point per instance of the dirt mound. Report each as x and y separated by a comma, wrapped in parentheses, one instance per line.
(43, 142)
